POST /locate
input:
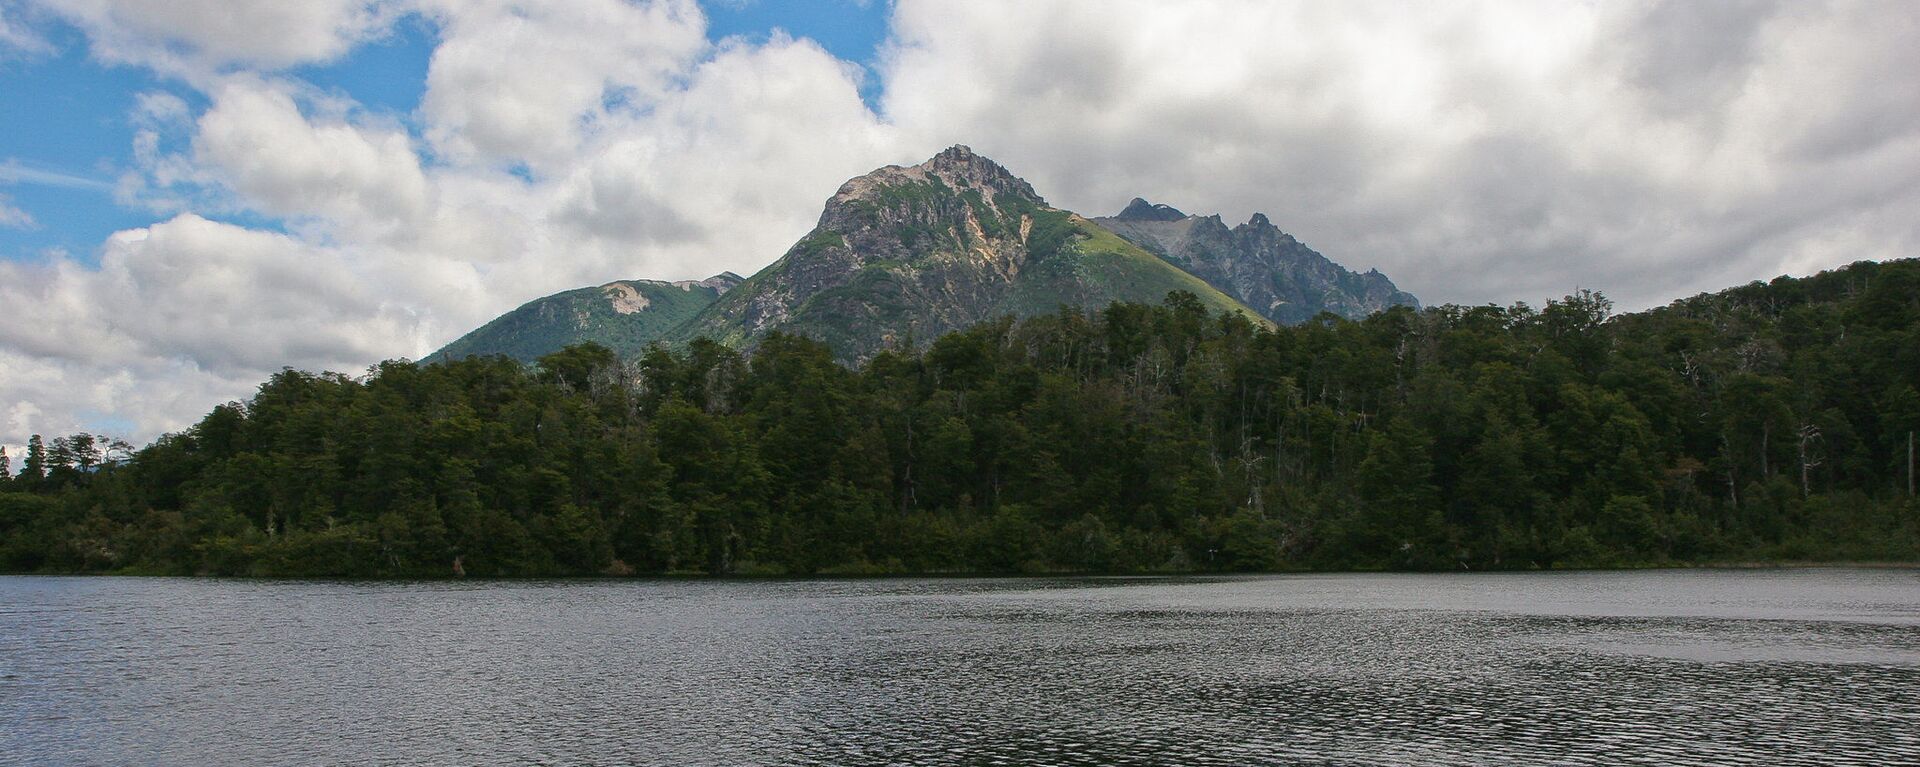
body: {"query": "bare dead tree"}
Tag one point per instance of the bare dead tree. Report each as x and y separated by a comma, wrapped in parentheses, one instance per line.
(1733, 486)
(1809, 436)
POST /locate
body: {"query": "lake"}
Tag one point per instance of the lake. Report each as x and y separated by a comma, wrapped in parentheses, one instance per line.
(1776, 667)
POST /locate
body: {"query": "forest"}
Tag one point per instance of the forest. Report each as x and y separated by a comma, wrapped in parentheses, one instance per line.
(1773, 422)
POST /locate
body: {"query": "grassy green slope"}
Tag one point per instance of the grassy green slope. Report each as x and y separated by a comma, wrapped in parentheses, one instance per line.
(713, 323)
(1093, 267)
(545, 325)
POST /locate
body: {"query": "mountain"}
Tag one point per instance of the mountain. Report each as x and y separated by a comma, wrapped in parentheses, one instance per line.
(913, 253)
(906, 254)
(624, 316)
(1256, 263)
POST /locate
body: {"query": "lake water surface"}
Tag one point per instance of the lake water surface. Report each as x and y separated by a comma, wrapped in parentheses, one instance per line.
(1663, 667)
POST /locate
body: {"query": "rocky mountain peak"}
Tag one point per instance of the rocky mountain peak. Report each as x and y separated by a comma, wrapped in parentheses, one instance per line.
(1256, 263)
(1141, 210)
(957, 167)
(719, 283)
(722, 282)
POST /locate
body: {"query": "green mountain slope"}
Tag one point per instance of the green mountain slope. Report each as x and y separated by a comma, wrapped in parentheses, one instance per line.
(916, 252)
(624, 316)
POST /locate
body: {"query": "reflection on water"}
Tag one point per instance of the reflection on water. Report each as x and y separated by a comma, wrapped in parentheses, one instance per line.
(1716, 667)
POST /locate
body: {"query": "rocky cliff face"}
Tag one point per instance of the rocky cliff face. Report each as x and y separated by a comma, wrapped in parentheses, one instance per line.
(914, 252)
(1256, 263)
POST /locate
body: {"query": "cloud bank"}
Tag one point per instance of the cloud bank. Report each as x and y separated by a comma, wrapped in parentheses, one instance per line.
(1475, 152)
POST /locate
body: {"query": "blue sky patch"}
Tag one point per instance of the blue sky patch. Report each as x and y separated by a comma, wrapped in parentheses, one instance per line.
(848, 29)
(65, 136)
(67, 126)
(388, 75)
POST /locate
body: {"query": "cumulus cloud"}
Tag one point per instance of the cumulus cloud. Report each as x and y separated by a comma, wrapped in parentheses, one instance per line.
(528, 82)
(1473, 151)
(141, 399)
(221, 297)
(734, 169)
(178, 316)
(283, 162)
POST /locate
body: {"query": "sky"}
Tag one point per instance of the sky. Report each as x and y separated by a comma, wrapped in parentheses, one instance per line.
(195, 194)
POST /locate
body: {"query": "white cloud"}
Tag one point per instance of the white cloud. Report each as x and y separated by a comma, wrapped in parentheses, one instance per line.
(16, 38)
(1474, 151)
(730, 171)
(193, 38)
(178, 317)
(219, 297)
(13, 172)
(256, 139)
(143, 398)
(161, 109)
(527, 82)
(14, 218)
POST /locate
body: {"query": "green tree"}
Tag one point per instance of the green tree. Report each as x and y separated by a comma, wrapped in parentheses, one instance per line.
(33, 470)
(1399, 520)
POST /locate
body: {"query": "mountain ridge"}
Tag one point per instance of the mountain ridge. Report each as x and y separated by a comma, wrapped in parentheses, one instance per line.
(917, 251)
(623, 315)
(1256, 263)
(909, 252)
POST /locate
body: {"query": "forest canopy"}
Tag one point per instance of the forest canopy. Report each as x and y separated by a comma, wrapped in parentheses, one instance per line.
(1768, 422)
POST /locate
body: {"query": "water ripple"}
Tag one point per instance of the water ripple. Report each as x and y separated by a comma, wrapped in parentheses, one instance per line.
(1775, 668)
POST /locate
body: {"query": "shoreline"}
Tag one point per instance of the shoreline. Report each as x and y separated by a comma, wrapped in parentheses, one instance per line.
(705, 577)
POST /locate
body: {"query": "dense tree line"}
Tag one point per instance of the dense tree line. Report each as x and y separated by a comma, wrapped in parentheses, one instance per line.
(1769, 422)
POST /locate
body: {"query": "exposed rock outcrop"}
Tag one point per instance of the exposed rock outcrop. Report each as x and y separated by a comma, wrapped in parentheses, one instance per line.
(1256, 263)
